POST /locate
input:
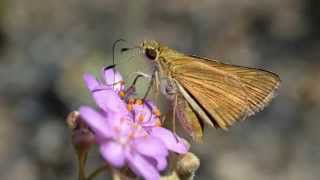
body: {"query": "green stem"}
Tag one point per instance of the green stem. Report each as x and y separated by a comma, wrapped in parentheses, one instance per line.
(82, 157)
(116, 175)
(97, 172)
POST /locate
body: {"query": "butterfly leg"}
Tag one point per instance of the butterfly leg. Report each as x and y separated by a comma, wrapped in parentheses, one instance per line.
(132, 88)
(175, 100)
(154, 81)
(162, 118)
(169, 89)
(149, 86)
(157, 85)
(140, 75)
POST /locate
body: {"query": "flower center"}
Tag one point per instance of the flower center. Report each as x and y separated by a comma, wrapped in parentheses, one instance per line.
(128, 130)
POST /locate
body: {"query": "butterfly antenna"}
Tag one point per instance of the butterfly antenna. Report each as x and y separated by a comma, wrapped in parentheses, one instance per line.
(113, 52)
(114, 48)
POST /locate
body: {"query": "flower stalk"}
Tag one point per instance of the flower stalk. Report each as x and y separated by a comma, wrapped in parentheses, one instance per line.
(82, 156)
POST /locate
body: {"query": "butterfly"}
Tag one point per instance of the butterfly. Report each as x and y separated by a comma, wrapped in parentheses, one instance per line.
(208, 91)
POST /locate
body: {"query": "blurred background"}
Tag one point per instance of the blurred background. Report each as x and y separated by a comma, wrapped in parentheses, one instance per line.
(46, 46)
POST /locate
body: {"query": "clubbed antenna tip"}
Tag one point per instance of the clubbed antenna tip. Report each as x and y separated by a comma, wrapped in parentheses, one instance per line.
(124, 49)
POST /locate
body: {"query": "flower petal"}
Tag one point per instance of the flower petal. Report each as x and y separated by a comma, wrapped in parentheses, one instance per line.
(161, 162)
(151, 105)
(150, 146)
(91, 82)
(142, 167)
(112, 76)
(105, 97)
(172, 142)
(95, 121)
(113, 153)
(141, 110)
(108, 100)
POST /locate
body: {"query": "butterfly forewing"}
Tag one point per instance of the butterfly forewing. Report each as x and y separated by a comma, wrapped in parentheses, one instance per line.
(227, 93)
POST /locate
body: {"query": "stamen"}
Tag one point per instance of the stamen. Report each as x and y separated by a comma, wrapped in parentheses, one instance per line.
(157, 112)
(158, 123)
(122, 94)
(130, 135)
(135, 125)
(129, 107)
(131, 101)
(141, 118)
(139, 101)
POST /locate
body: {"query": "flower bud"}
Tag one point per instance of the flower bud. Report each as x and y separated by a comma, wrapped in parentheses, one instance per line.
(72, 119)
(82, 137)
(187, 165)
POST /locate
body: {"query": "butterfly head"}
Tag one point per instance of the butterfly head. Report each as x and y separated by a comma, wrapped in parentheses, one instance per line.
(150, 49)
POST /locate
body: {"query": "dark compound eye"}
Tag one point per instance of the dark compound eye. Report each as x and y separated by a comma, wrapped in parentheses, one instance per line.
(151, 53)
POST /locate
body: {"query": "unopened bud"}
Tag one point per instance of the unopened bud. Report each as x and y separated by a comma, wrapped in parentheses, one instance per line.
(82, 137)
(72, 119)
(187, 165)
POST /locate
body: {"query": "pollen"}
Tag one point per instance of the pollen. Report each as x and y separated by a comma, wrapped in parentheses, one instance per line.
(122, 94)
(141, 118)
(157, 112)
(158, 123)
(130, 135)
(136, 126)
(139, 101)
(121, 82)
(131, 101)
(129, 107)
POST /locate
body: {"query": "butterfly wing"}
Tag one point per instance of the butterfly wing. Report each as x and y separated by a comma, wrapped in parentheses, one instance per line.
(189, 120)
(225, 93)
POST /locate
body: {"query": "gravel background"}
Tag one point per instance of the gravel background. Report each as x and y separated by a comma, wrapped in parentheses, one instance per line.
(46, 46)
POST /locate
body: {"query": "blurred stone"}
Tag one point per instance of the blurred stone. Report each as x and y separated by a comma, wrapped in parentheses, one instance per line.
(22, 168)
(10, 135)
(237, 166)
(29, 111)
(309, 89)
(49, 142)
(70, 80)
(50, 44)
(22, 79)
(304, 161)
(310, 128)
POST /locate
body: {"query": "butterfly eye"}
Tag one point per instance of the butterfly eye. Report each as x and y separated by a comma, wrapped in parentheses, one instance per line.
(151, 53)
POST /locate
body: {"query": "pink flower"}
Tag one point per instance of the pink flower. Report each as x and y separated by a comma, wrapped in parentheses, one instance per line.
(122, 142)
(147, 115)
(128, 132)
